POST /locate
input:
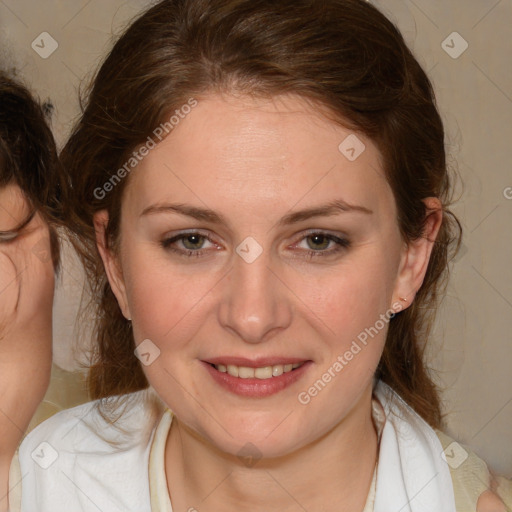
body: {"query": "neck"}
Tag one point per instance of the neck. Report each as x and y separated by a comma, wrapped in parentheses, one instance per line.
(332, 474)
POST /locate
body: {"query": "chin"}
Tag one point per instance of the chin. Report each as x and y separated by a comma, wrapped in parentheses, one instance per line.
(254, 440)
(251, 450)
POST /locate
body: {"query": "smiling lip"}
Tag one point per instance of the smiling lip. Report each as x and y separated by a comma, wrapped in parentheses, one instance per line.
(254, 363)
(255, 387)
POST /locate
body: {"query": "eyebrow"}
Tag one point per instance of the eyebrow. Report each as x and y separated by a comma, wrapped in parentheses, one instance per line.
(204, 214)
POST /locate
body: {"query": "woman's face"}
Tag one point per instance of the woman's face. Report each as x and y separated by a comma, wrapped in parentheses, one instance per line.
(255, 237)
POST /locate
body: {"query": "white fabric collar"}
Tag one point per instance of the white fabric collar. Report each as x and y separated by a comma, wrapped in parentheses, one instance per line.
(411, 474)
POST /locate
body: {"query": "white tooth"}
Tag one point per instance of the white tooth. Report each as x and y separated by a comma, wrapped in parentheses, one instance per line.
(277, 370)
(232, 370)
(263, 373)
(246, 373)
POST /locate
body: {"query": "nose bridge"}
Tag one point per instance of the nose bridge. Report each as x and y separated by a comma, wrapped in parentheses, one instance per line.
(254, 303)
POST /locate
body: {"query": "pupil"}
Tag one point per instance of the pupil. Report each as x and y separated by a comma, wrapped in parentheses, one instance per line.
(192, 240)
(318, 240)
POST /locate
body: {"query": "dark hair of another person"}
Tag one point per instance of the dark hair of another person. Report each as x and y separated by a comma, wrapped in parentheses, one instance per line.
(343, 56)
(28, 158)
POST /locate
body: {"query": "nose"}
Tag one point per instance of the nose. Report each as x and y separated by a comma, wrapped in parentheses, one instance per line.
(256, 302)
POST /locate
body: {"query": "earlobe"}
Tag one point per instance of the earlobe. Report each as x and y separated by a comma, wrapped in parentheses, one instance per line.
(416, 255)
(110, 262)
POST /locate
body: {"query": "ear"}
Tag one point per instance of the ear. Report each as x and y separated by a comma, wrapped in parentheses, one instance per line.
(110, 262)
(416, 255)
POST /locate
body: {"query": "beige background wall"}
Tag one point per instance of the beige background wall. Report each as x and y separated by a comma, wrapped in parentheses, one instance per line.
(472, 349)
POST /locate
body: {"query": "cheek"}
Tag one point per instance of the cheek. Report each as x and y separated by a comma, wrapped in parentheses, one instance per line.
(163, 303)
(352, 304)
(349, 302)
(351, 297)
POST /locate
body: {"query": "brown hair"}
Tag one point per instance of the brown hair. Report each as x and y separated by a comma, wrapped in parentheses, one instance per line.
(343, 55)
(28, 158)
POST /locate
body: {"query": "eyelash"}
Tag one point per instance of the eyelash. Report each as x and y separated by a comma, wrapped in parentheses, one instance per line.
(8, 236)
(342, 243)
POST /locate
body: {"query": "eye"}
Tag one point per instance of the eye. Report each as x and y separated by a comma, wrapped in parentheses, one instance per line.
(318, 241)
(191, 244)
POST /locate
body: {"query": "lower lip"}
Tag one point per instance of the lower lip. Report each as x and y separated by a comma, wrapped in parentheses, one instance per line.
(257, 388)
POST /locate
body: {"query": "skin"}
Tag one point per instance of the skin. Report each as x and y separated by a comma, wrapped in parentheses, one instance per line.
(26, 298)
(254, 161)
(490, 502)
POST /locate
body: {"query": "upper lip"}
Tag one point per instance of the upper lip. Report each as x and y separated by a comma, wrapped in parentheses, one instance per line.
(254, 363)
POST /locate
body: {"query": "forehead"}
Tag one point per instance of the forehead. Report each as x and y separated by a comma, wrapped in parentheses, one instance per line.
(258, 154)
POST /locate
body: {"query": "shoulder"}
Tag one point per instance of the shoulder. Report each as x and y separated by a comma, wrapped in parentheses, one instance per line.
(475, 487)
(85, 428)
(80, 459)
